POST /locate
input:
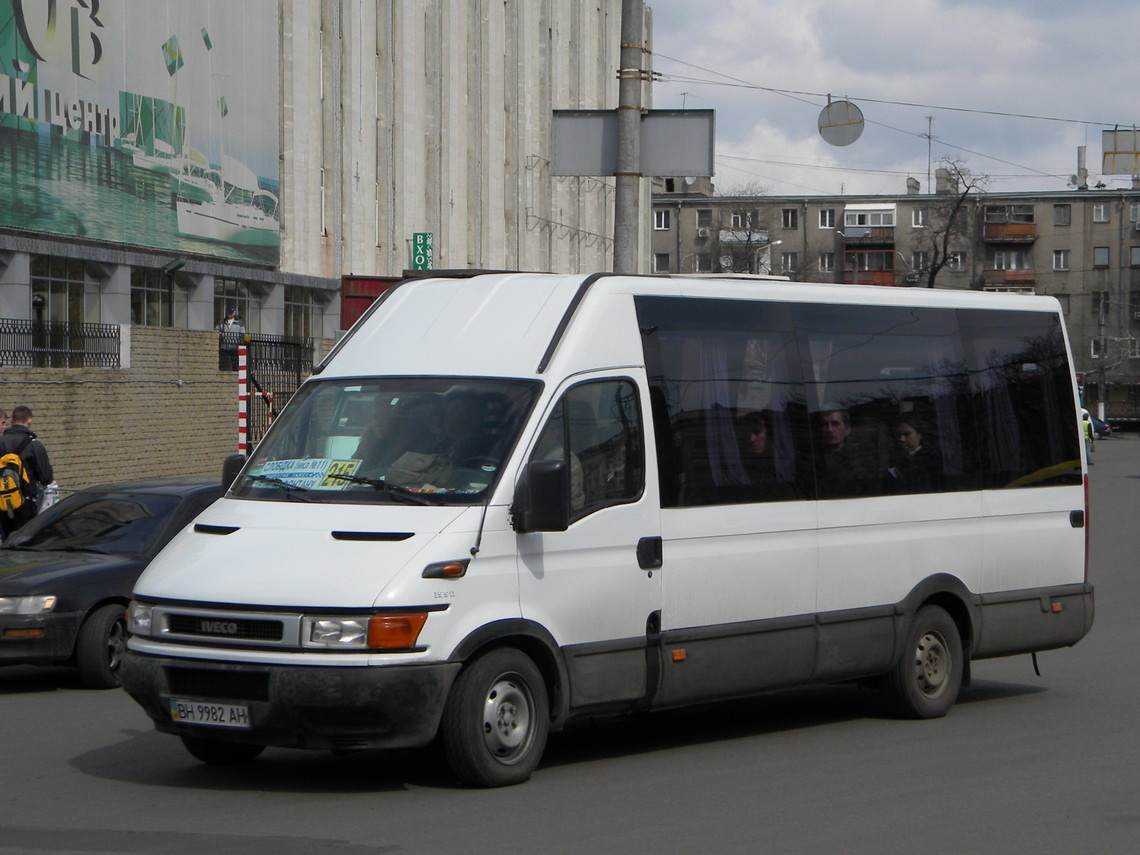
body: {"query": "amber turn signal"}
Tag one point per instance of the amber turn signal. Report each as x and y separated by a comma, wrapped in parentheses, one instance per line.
(446, 569)
(398, 632)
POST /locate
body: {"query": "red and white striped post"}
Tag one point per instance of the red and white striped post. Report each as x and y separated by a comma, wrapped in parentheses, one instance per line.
(243, 399)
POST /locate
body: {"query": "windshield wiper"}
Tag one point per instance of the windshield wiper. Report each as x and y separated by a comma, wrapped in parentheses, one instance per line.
(291, 490)
(378, 484)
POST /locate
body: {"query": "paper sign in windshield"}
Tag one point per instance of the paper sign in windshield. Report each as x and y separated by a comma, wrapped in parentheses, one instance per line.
(314, 473)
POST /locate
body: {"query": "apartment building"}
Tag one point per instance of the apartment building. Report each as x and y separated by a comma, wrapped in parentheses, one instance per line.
(1081, 246)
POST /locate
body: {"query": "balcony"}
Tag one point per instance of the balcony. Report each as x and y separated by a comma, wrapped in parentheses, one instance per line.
(998, 278)
(1009, 232)
(869, 277)
(867, 235)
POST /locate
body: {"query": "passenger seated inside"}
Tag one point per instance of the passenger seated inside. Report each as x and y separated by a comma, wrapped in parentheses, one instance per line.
(916, 466)
(844, 467)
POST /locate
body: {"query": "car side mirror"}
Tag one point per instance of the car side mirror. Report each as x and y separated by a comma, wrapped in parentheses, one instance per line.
(542, 498)
(231, 466)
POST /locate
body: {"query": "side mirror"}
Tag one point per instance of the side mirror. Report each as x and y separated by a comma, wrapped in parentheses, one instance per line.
(542, 498)
(231, 466)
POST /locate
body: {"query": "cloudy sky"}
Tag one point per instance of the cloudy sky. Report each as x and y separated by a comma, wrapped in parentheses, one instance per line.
(1012, 87)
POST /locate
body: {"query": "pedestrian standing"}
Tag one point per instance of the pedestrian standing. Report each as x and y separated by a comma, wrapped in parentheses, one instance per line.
(19, 438)
(230, 331)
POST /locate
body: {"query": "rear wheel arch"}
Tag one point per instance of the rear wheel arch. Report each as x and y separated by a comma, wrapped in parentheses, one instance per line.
(950, 594)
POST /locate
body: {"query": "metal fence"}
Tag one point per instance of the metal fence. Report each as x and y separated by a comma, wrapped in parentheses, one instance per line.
(58, 344)
(277, 364)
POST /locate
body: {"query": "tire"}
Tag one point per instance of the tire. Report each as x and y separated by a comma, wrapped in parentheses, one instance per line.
(219, 753)
(925, 681)
(100, 645)
(496, 720)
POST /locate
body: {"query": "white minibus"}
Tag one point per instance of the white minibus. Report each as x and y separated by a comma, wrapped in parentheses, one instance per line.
(509, 500)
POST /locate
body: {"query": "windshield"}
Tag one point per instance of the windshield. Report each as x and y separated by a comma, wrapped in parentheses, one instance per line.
(413, 440)
(119, 523)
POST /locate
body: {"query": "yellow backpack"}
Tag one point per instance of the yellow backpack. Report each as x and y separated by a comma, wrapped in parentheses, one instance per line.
(15, 484)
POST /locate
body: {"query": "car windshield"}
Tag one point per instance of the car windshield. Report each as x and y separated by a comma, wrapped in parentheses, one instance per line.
(121, 523)
(410, 440)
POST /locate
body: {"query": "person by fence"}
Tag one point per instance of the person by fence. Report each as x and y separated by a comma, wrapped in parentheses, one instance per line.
(20, 439)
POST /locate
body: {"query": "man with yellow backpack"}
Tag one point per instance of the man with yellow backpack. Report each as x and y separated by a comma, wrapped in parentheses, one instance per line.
(24, 470)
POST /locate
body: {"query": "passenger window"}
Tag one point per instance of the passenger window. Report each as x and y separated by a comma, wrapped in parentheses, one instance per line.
(596, 430)
(728, 410)
(1023, 395)
(887, 391)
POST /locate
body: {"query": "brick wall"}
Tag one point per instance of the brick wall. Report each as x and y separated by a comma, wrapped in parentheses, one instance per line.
(172, 412)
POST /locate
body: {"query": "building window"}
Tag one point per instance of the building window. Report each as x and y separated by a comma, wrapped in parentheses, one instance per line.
(1009, 214)
(789, 262)
(739, 219)
(155, 300)
(1063, 299)
(918, 261)
(1010, 259)
(661, 262)
(827, 218)
(956, 261)
(661, 220)
(918, 218)
(704, 262)
(1100, 305)
(1062, 215)
(1060, 259)
(1134, 212)
(62, 284)
(827, 262)
(303, 312)
(704, 218)
(868, 218)
(237, 294)
(670, 185)
(790, 218)
(1100, 212)
(1134, 256)
(1100, 256)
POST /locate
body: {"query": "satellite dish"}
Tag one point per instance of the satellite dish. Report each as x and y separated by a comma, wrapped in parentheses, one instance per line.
(840, 123)
(689, 179)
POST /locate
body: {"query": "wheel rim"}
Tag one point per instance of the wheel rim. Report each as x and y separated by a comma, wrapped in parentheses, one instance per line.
(932, 664)
(116, 644)
(507, 711)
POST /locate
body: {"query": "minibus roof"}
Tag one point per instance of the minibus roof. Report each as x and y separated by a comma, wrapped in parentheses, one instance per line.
(515, 324)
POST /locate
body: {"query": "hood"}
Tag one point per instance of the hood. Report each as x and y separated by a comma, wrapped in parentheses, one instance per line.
(293, 555)
(57, 571)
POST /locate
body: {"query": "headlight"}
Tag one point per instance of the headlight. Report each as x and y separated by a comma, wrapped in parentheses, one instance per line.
(35, 605)
(139, 618)
(374, 632)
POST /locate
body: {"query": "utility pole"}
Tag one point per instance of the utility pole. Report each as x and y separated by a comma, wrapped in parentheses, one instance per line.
(627, 199)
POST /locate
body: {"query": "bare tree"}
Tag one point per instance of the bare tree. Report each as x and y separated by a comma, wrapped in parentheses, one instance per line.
(742, 237)
(948, 219)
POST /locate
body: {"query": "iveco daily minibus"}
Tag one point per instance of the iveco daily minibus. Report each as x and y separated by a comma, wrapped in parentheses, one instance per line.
(509, 500)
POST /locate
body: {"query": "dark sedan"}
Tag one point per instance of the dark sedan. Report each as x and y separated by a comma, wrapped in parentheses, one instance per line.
(66, 576)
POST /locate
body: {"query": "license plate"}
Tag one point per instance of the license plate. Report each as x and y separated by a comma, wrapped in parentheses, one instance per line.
(209, 714)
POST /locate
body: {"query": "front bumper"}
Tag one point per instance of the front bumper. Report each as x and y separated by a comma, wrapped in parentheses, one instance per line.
(54, 643)
(318, 706)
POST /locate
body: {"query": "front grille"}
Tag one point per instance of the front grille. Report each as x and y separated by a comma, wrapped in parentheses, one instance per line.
(217, 684)
(216, 626)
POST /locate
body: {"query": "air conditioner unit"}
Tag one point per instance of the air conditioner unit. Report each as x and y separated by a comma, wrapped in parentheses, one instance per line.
(1138, 227)
(704, 233)
(1136, 316)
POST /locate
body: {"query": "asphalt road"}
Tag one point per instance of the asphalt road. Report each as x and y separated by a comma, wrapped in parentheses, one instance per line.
(1023, 764)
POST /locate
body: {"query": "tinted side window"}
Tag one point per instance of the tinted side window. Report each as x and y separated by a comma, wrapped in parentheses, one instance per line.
(887, 389)
(596, 429)
(1022, 392)
(727, 404)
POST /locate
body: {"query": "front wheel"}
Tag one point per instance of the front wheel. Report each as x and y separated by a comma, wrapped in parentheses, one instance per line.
(219, 753)
(99, 647)
(496, 720)
(925, 681)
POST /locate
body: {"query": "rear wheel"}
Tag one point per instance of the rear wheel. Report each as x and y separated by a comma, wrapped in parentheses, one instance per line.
(925, 681)
(100, 645)
(496, 720)
(219, 753)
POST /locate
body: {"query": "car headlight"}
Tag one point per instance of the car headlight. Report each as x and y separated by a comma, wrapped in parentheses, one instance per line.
(139, 618)
(372, 632)
(34, 605)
